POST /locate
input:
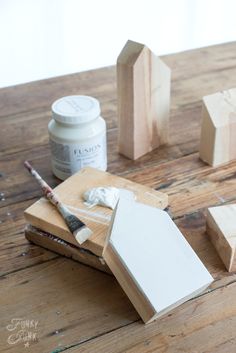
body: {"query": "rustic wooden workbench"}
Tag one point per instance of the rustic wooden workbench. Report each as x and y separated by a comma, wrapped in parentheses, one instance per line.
(79, 309)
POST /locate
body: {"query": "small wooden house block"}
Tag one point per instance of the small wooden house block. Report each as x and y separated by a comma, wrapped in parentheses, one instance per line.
(143, 93)
(218, 132)
(221, 228)
(151, 259)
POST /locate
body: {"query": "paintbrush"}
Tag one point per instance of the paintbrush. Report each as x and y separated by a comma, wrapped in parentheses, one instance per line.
(80, 231)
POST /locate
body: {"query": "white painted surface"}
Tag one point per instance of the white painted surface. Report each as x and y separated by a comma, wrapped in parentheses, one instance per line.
(156, 254)
(42, 38)
(106, 196)
(103, 196)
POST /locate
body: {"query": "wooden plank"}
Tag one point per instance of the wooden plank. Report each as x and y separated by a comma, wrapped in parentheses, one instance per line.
(180, 175)
(38, 95)
(74, 304)
(206, 324)
(196, 184)
(43, 215)
(182, 142)
(34, 131)
(71, 302)
(64, 248)
(192, 226)
(16, 252)
(192, 192)
(21, 187)
(16, 258)
(203, 186)
(13, 223)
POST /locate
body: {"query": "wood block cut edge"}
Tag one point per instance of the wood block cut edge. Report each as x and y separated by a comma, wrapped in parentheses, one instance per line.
(61, 247)
(223, 248)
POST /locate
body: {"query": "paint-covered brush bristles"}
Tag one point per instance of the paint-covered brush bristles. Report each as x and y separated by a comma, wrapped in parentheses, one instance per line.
(80, 231)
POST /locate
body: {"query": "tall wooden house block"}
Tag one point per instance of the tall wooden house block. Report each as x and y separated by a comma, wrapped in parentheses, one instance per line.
(143, 92)
(218, 132)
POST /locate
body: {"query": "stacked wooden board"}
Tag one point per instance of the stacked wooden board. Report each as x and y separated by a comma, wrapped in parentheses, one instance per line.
(47, 228)
(138, 243)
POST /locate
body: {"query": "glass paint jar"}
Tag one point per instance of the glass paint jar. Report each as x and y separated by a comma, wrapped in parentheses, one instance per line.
(77, 135)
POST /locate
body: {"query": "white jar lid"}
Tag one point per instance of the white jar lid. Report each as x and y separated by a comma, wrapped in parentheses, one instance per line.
(76, 109)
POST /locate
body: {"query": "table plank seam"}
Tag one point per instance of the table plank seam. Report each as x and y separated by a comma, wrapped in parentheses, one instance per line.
(63, 349)
(4, 275)
(93, 338)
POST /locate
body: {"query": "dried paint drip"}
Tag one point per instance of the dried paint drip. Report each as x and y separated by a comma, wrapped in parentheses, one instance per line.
(2, 196)
(105, 196)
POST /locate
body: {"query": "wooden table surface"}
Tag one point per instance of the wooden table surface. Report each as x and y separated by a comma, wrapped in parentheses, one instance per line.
(79, 309)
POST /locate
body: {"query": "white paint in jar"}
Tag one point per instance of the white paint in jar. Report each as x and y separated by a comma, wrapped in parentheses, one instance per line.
(77, 134)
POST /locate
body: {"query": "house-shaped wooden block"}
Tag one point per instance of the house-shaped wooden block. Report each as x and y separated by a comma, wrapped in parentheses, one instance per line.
(143, 94)
(221, 227)
(152, 260)
(218, 132)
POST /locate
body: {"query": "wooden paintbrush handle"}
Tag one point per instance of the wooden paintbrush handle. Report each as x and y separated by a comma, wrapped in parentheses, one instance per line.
(47, 190)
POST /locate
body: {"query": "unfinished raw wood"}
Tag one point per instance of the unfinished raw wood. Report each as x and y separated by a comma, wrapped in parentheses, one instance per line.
(64, 248)
(221, 227)
(151, 259)
(44, 216)
(87, 299)
(218, 132)
(143, 93)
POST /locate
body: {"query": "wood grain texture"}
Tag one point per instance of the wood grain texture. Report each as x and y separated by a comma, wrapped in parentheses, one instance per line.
(197, 326)
(98, 317)
(221, 227)
(65, 298)
(43, 214)
(218, 131)
(64, 248)
(143, 95)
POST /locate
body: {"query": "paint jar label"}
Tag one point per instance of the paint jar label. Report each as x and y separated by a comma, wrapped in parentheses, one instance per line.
(68, 158)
